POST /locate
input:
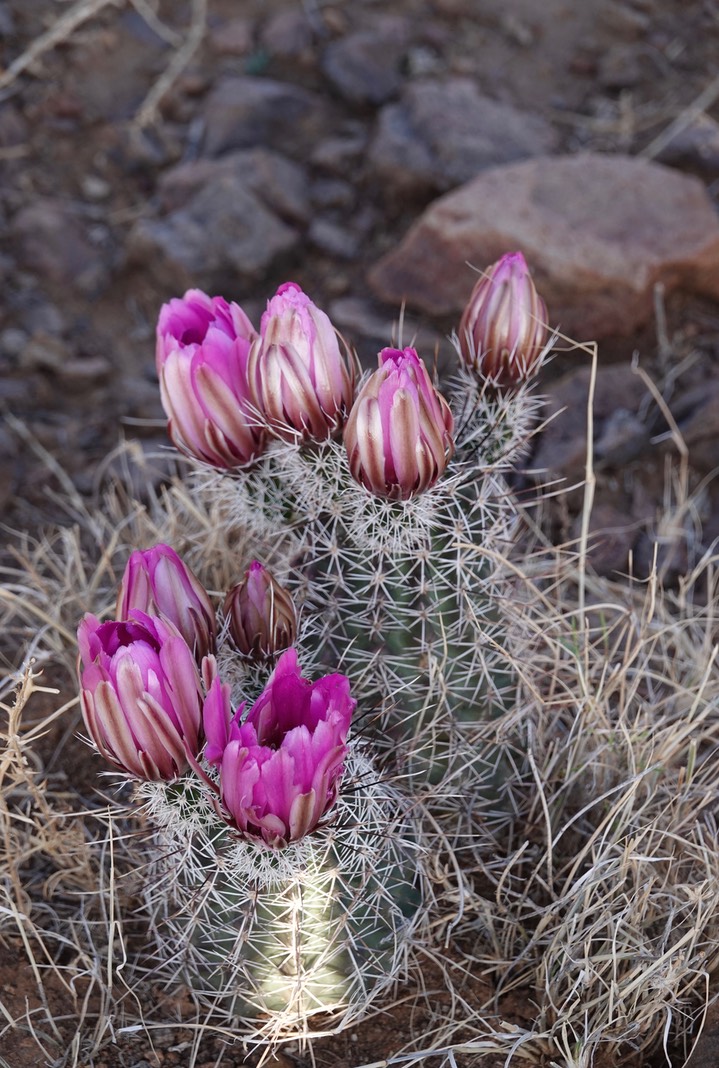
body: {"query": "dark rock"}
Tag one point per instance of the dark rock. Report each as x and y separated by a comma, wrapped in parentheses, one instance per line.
(618, 433)
(280, 184)
(364, 67)
(441, 134)
(340, 155)
(287, 33)
(620, 68)
(358, 319)
(12, 342)
(45, 352)
(625, 21)
(333, 193)
(613, 533)
(52, 243)
(13, 127)
(695, 146)
(598, 231)
(242, 112)
(332, 238)
(222, 235)
(698, 419)
(233, 37)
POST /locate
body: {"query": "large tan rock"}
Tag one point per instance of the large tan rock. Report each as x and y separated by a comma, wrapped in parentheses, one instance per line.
(597, 231)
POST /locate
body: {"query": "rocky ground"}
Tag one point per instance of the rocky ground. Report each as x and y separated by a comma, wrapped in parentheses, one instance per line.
(312, 141)
(369, 151)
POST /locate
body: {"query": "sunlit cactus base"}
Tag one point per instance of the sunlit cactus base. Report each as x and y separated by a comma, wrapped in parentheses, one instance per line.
(282, 943)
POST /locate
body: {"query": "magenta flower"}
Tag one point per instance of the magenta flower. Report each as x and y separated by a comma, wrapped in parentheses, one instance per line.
(280, 768)
(202, 348)
(157, 582)
(261, 614)
(141, 695)
(298, 376)
(399, 432)
(504, 326)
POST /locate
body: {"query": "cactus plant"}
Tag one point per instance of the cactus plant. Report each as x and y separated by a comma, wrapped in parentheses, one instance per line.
(284, 863)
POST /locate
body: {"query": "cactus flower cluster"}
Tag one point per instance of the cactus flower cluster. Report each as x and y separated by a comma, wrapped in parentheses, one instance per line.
(382, 504)
(151, 695)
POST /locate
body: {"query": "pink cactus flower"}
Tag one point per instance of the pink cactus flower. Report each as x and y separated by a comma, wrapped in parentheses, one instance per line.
(281, 766)
(399, 433)
(261, 614)
(202, 348)
(504, 326)
(156, 581)
(298, 376)
(141, 695)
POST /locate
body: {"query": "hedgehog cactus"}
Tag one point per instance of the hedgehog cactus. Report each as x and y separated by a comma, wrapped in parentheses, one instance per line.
(284, 865)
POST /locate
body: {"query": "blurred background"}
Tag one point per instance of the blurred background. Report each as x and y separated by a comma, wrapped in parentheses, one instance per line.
(368, 151)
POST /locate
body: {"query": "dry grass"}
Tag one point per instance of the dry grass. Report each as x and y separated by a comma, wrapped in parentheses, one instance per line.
(577, 921)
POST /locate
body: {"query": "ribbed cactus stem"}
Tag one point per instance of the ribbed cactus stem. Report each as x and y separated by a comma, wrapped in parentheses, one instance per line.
(275, 937)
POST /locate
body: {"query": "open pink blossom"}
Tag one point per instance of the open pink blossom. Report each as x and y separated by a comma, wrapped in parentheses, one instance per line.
(156, 581)
(202, 348)
(504, 326)
(280, 767)
(297, 374)
(399, 433)
(141, 695)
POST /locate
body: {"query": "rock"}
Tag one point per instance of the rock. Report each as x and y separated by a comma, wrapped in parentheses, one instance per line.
(697, 414)
(242, 112)
(95, 188)
(620, 68)
(12, 342)
(613, 534)
(13, 127)
(332, 238)
(287, 33)
(44, 352)
(364, 67)
(222, 219)
(340, 155)
(359, 320)
(624, 21)
(233, 37)
(619, 436)
(52, 243)
(695, 146)
(224, 234)
(333, 193)
(280, 184)
(598, 231)
(441, 134)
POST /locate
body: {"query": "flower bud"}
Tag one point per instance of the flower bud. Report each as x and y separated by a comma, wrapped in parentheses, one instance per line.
(157, 582)
(141, 695)
(298, 376)
(202, 348)
(399, 433)
(279, 769)
(261, 614)
(504, 326)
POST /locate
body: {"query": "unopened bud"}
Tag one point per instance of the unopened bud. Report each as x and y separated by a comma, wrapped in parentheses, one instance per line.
(298, 376)
(399, 432)
(503, 329)
(261, 614)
